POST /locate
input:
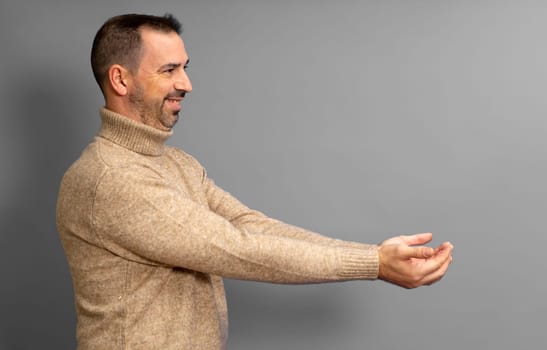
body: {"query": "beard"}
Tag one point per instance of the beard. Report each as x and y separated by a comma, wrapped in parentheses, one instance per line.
(152, 113)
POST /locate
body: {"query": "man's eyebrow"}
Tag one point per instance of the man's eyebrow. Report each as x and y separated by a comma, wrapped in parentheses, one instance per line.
(168, 66)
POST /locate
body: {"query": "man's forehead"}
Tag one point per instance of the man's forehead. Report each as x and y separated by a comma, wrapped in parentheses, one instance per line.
(163, 45)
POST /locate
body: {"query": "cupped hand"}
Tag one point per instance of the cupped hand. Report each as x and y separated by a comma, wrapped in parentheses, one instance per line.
(404, 260)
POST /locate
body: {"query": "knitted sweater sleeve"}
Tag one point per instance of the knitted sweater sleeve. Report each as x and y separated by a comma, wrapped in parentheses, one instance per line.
(224, 204)
(141, 217)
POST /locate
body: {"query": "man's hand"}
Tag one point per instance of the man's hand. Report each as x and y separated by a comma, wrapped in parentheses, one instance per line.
(407, 266)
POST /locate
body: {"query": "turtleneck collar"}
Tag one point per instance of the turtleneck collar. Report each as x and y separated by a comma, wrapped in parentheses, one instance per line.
(133, 135)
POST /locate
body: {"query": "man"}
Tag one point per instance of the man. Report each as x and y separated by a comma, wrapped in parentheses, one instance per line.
(148, 236)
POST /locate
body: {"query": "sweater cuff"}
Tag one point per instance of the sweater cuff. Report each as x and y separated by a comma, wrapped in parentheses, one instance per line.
(360, 263)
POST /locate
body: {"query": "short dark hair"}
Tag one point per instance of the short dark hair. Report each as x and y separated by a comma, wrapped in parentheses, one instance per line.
(118, 41)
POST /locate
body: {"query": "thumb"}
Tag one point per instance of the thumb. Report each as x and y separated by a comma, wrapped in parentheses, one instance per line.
(420, 252)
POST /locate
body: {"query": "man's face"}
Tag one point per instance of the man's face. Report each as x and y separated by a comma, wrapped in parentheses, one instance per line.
(160, 83)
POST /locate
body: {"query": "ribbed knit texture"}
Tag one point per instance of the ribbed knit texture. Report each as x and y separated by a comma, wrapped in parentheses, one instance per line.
(147, 236)
(137, 137)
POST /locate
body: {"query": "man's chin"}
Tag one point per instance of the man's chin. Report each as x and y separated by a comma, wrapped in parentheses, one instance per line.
(170, 121)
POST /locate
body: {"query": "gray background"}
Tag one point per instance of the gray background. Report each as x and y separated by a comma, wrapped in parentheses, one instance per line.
(357, 119)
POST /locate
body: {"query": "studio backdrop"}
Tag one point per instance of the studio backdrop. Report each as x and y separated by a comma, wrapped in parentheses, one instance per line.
(356, 119)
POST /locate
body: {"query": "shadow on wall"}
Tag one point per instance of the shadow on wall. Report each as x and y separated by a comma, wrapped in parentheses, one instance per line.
(263, 313)
(36, 293)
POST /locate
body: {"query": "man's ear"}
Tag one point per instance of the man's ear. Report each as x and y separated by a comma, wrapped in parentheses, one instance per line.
(117, 78)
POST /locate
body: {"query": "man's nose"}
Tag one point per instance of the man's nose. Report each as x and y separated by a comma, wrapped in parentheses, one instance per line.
(183, 82)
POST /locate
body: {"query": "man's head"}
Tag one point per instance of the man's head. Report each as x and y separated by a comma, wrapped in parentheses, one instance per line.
(139, 63)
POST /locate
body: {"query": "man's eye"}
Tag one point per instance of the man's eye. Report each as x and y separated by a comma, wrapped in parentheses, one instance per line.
(185, 67)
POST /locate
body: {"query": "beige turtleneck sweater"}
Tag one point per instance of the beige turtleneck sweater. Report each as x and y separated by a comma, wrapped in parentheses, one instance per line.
(148, 237)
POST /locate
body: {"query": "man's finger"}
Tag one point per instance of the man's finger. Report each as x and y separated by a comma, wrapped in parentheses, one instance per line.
(417, 239)
(419, 252)
(438, 273)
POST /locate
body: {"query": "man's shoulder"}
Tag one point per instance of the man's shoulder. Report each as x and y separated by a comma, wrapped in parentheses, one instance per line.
(98, 157)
